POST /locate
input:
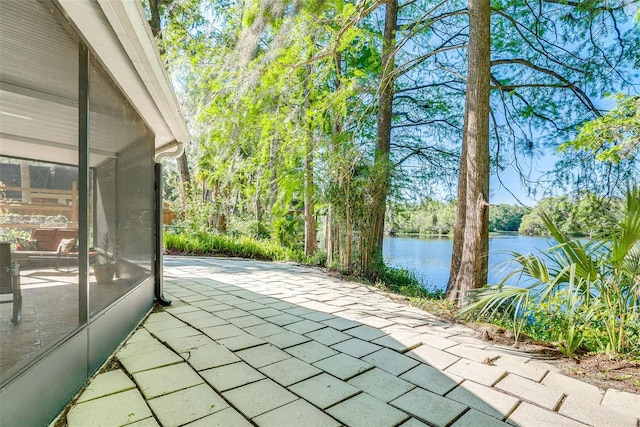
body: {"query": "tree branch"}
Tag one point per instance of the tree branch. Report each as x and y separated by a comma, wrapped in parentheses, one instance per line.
(575, 89)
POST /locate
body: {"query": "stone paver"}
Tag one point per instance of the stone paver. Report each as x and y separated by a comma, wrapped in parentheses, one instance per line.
(246, 321)
(324, 390)
(284, 319)
(328, 336)
(341, 324)
(412, 422)
(391, 361)
(622, 402)
(155, 359)
(147, 422)
(431, 379)
(209, 356)
(474, 418)
(437, 358)
(429, 407)
(398, 342)
(286, 339)
(343, 366)
(518, 366)
(268, 344)
(106, 384)
(222, 331)
(581, 409)
(530, 390)
(381, 384)
(304, 326)
(527, 415)
(297, 413)
(231, 376)
(356, 347)
(170, 334)
(156, 382)
(365, 332)
(311, 351)
(259, 397)
(476, 371)
(163, 325)
(290, 371)
(182, 407)
(485, 399)
(183, 345)
(364, 410)
(241, 342)
(207, 322)
(225, 418)
(264, 330)
(262, 355)
(123, 408)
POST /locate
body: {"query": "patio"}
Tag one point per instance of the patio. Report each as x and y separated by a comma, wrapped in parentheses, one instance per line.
(253, 343)
(49, 312)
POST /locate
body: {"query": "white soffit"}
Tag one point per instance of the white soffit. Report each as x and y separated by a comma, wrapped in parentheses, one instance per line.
(127, 49)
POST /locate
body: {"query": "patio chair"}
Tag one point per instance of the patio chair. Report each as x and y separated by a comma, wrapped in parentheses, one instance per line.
(10, 282)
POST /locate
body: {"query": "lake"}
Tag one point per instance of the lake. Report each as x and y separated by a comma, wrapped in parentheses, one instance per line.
(430, 256)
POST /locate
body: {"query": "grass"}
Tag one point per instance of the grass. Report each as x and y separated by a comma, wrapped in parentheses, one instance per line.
(214, 244)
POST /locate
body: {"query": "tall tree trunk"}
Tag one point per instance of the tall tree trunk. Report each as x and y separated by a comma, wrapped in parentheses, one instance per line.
(257, 203)
(461, 213)
(332, 236)
(472, 272)
(310, 238)
(347, 258)
(372, 244)
(156, 29)
(183, 171)
(273, 180)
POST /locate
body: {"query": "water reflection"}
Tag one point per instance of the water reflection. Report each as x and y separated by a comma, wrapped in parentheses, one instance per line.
(430, 257)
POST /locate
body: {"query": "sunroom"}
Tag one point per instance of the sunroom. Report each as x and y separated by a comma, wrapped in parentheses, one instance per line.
(87, 113)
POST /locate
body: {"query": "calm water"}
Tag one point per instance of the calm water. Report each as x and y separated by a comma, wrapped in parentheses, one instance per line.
(430, 257)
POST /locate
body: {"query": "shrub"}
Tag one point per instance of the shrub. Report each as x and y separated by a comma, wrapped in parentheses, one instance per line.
(576, 293)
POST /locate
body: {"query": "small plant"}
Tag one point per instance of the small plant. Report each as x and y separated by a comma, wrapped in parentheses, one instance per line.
(107, 243)
(105, 268)
(577, 293)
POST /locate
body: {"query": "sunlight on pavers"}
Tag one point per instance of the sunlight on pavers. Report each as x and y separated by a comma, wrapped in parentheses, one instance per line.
(276, 345)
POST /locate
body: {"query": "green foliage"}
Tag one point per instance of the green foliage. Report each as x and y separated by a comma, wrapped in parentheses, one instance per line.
(260, 81)
(14, 236)
(289, 232)
(575, 293)
(613, 137)
(244, 226)
(401, 281)
(214, 243)
(429, 217)
(585, 214)
(435, 217)
(194, 213)
(506, 217)
(532, 225)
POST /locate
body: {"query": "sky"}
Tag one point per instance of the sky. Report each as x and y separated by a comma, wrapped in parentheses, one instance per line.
(507, 188)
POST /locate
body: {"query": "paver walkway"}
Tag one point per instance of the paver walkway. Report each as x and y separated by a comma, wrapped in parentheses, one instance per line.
(251, 343)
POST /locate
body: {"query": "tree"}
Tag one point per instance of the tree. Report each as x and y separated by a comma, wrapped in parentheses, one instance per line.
(613, 141)
(473, 254)
(372, 250)
(310, 238)
(506, 217)
(156, 8)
